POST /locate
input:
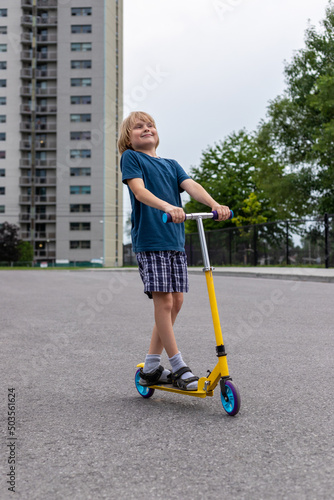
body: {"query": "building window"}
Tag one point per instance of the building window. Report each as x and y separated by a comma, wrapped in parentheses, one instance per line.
(3, 47)
(80, 171)
(80, 190)
(2, 209)
(3, 64)
(79, 244)
(81, 28)
(80, 136)
(2, 155)
(80, 153)
(81, 99)
(85, 64)
(77, 208)
(81, 47)
(3, 12)
(80, 118)
(81, 11)
(79, 226)
(3, 83)
(3, 30)
(2, 172)
(2, 190)
(80, 82)
(3, 101)
(2, 136)
(2, 118)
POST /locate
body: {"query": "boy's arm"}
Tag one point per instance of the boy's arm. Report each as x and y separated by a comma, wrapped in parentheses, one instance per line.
(198, 192)
(145, 196)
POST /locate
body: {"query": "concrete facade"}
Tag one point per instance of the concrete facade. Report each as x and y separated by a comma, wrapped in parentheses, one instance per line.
(64, 103)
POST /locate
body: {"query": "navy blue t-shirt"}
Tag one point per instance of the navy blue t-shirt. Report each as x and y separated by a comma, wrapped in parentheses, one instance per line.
(162, 177)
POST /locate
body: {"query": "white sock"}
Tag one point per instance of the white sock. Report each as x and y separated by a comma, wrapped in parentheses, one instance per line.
(176, 363)
(152, 362)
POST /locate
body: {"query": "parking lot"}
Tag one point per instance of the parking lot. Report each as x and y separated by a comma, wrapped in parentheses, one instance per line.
(70, 344)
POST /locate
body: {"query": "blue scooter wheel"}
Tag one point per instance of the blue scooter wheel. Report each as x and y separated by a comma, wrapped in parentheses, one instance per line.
(145, 392)
(232, 404)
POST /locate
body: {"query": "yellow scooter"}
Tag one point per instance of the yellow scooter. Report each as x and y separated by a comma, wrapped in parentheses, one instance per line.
(230, 396)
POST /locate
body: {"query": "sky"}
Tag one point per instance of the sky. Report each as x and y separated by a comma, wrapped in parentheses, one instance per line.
(206, 68)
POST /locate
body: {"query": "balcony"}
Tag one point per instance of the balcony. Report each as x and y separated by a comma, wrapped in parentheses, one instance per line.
(40, 73)
(26, 20)
(46, 56)
(25, 108)
(26, 37)
(39, 181)
(46, 73)
(45, 127)
(46, 254)
(46, 21)
(26, 73)
(49, 110)
(25, 217)
(49, 91)
(46, 200)
(47, 3)
(26, 55)
(40, 3)
(40, 21)
(50, 163)
(39, 235)
(26, 145)
(45, 145)
(47, 38)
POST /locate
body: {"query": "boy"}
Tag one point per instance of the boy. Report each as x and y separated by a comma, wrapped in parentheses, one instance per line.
(154, 186)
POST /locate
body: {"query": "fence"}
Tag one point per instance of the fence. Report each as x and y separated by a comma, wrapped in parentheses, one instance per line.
(290, 242)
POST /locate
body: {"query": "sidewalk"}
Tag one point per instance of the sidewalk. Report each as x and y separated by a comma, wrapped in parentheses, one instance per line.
(283, 273)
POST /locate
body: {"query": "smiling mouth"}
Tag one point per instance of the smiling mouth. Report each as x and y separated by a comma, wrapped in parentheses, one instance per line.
(147, 135)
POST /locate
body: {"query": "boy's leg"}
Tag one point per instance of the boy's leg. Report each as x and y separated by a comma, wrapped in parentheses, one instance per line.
(166, 308)
(165, 315)
(162, 304)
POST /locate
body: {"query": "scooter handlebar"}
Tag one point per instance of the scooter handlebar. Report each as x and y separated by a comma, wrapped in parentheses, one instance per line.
(213, 215)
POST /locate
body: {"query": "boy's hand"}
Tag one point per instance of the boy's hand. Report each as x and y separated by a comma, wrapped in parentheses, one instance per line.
(177, 213)
(222, 210)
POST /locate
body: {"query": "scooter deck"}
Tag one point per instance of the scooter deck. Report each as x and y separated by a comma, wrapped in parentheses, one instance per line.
(200, 393)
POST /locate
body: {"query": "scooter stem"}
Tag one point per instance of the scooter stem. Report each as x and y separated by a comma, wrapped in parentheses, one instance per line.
(204, 248)
(223, 368)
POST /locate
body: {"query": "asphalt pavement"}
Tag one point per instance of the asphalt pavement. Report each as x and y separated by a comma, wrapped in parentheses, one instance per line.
(70, 342)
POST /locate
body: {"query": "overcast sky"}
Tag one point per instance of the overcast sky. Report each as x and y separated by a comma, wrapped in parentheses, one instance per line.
(206, 68)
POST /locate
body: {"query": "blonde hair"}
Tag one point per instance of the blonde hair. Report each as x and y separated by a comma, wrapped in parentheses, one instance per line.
(124, 142)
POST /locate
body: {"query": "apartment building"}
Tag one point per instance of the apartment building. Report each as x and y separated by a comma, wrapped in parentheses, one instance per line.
(60, 107)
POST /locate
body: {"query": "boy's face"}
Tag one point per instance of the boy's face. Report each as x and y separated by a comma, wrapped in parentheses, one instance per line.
(143, 136)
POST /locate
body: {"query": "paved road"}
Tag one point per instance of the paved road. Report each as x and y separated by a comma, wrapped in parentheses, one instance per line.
(70, 343)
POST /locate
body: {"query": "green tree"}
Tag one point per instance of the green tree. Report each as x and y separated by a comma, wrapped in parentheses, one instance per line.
(252, 212)
(8, 242)
(235, 169)
(25, 251)
(300, 125)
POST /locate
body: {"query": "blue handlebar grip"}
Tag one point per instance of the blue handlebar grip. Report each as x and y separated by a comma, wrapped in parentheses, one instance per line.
(215, 214)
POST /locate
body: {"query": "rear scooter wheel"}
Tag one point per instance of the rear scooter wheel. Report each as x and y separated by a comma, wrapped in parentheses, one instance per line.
(232, 402)
(145, 392)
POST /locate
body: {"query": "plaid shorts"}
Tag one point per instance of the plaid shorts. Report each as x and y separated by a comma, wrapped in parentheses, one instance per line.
(164, 271)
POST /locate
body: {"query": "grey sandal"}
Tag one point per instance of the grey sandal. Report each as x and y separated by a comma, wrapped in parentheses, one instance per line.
(152, 378)
(183, 383)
